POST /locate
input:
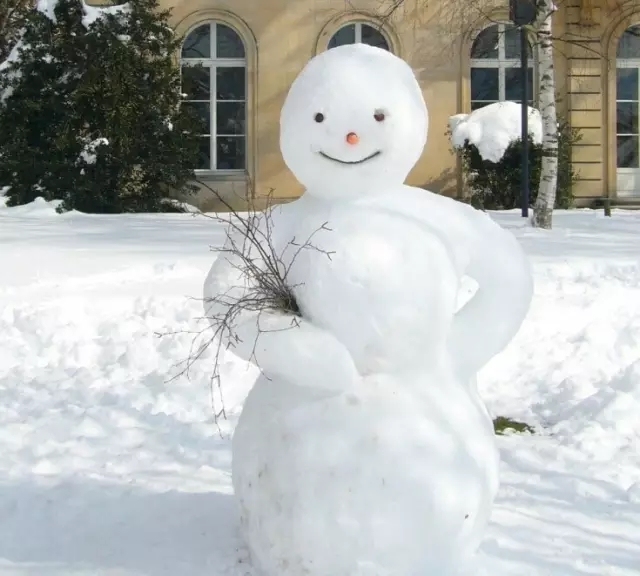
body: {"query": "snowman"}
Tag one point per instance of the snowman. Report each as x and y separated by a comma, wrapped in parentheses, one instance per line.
(364, 447)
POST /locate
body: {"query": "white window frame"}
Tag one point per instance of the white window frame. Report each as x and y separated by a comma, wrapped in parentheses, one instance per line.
(358, 39)
(213, 63)
(628, 177)
(502, 64)
(633, 63)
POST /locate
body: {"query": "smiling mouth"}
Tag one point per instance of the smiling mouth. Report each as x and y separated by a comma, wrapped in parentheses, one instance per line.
(352, 161)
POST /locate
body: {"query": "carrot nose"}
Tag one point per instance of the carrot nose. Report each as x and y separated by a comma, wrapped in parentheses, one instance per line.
(353, 138)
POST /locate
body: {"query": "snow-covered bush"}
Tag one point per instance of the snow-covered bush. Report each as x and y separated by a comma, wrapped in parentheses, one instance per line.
(489, 143)
(496, 185)
(90, 109)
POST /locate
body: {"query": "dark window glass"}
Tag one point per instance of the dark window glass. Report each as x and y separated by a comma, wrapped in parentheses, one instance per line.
(230, 118)
(202, 112)
(230, 83)
(198, 43)
(228, 43)
(627, 117)
(203, 161)
(627, 151)
(231, 153)
(373, 37)
(512, 44)
(627, 84)
(629, 45)
(513, 84)
(485, 84)
(346, 35)
(486, 43)
(477, 105)
(196, 82)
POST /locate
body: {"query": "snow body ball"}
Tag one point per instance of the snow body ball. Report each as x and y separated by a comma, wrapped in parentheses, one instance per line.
(364, 447)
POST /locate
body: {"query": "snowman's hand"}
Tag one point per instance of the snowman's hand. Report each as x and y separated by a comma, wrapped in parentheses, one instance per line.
(493, 316)
(290, 347)
(281, 345)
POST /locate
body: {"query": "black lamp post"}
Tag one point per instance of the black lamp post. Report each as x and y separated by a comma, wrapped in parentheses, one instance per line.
(523, 13)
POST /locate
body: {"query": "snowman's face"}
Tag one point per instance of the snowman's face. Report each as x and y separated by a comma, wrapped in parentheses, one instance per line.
(354, 122)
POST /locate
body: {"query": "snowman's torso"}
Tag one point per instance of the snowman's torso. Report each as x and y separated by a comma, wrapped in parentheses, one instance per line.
(381, 282)
(396, 476)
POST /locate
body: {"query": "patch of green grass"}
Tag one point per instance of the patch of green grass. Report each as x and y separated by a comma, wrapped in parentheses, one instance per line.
(502, 424)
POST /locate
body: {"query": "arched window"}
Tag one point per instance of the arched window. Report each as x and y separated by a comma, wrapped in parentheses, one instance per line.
(495, 67)
(214, 84)
(359, 33)
(627, 113)
(627, 104)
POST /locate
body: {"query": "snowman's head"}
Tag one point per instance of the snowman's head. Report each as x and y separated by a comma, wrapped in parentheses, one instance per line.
(354, 122)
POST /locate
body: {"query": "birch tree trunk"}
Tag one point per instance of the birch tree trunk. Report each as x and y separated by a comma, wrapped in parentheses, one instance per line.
(543, 208)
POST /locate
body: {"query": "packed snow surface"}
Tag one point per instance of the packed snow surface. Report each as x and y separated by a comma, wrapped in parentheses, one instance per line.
(108, 467)
(492, 128)
(384, 459)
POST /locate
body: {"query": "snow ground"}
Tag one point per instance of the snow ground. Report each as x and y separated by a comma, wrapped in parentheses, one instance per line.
(110, 467)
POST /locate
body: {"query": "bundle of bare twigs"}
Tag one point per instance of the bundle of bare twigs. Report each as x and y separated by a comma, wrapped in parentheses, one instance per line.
(263, 279)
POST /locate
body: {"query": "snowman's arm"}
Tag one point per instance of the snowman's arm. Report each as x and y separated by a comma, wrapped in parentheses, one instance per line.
(292, 348)
(281, 345)
(490, 320)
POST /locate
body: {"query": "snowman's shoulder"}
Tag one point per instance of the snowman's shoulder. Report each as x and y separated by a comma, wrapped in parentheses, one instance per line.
(450, 218)
(422, 200)
(289, 211)
(458, 225)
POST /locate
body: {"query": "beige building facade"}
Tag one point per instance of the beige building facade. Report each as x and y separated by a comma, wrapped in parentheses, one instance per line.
(240, 57)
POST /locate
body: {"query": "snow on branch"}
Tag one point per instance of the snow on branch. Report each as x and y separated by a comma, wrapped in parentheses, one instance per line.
(91, 13)
(6, 67)
(89, 152)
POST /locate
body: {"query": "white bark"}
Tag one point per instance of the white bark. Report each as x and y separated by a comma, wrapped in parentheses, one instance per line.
(543, 209)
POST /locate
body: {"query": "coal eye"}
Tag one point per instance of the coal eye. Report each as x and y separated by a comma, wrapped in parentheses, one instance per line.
(319, 117)
(379, 116)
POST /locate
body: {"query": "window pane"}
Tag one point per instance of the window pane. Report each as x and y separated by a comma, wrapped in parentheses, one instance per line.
(346, 35)
(202, 113)
(513, 84)
(230, 118)
(512, 44)
(196, 82)
(627, 118)
(486, 43)
(629, 45)
(228, 43)
(627, 151)
(198, 43)
(231, 153)
(203, 162)
(627, 84)
(479, 104)
(230, 83)
(484, 84)
(373, 37)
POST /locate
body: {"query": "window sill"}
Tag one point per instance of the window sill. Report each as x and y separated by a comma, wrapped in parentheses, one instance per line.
(222, 175)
